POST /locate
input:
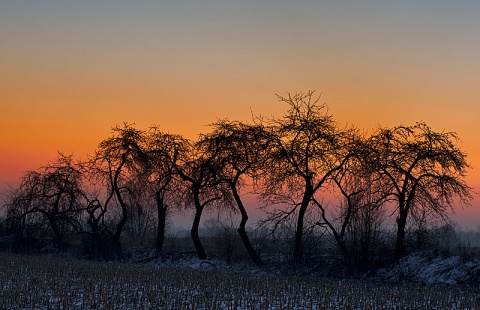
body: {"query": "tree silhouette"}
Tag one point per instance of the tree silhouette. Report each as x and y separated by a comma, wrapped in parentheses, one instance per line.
(317, 175)
(302, 158)
(423, 171)
(239, 148)
(164, 152)
(116, 164)
(199, 170)
(55, 191)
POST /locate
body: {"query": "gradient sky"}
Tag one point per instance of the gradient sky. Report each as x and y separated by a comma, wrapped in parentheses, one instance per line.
(71, 70)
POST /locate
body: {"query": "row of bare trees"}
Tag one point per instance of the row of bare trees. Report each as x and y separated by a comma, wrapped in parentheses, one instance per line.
(300, 166)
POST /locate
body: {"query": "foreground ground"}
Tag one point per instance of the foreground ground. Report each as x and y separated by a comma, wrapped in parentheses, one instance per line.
(43, 282)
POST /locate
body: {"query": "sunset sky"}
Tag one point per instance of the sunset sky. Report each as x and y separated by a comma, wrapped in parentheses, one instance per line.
(71, 70)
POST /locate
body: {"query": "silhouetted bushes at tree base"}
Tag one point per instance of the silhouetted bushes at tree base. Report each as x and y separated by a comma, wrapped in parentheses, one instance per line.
(276, 254)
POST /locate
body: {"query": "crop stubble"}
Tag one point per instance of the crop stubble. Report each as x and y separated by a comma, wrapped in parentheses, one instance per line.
(43, 282)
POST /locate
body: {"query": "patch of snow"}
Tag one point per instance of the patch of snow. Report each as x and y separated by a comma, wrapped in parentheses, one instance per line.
(421, 268)
(208, 264)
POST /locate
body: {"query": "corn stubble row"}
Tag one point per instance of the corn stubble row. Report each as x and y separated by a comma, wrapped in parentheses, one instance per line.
(39, 282)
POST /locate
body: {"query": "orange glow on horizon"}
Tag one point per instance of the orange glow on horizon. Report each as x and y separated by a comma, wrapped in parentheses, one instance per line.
(66, 82)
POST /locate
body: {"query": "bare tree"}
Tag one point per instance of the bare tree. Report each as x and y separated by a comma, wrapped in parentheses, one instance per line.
(116, 164)
(239, 148)
(303, 155)
(199, 171)
(164, 151)
(423, 170)
(55, 191)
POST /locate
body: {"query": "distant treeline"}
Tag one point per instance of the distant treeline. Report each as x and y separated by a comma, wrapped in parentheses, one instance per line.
(311, 175)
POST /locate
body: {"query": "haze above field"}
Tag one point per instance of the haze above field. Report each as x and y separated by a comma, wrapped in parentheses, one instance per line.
(72, 70)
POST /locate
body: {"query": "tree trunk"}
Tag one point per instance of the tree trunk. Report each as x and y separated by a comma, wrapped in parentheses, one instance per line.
(94, 244)
(57, 234)
(298, 254)
(194, 233)
(161, 220)
(117, 246)
(400, 241)
(345, 253)
(242, 232)
(340, 239)
(248, 246)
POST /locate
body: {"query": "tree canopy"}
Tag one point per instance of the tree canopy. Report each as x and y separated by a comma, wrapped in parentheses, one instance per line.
(303, 168)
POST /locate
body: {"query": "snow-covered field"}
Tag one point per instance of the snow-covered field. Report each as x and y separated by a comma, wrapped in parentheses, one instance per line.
(43, 282)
